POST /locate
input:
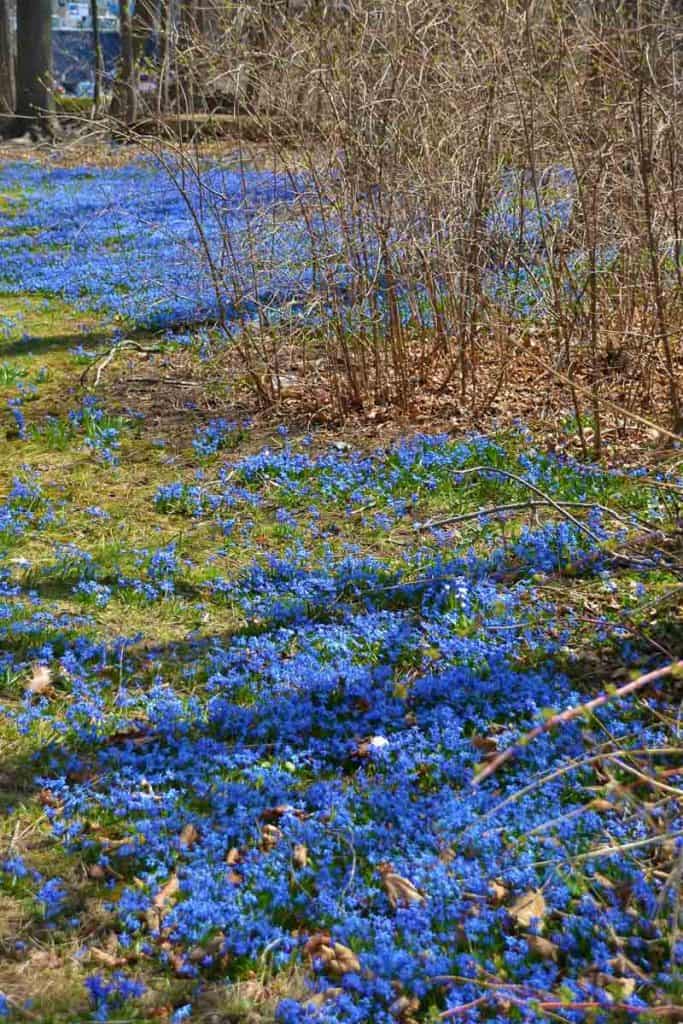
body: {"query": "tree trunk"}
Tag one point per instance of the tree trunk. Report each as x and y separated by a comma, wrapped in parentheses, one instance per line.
(35, 104)
(124, 100)
(7, 94)
(187, 37)
(97, 57)
(164, 55)
(143, 24)
(143, 27)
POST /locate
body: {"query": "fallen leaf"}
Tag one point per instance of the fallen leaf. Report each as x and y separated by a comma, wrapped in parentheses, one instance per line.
(233, 856)
(300, 855)
(162, 1013)
(168, 889)
(337, 958)
(343, 960)
(188, 836)
(275, 813)
(616, 989)
(45, 959)
(48, 799)
(100, 956)
(529, 907)
(498, 892)
(270, 836)
(485, 744)
(40, 682)
(177, 962)
(318, 1000)
(543, 947)
(404, 1006)
(315, 942)
(600, 804)
(399, 889)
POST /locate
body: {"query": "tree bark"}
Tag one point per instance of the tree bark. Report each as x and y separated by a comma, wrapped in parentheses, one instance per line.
(98, 58)
(143, 24)
(143, 28)
(35, 103)
(187, 36)
(164, 55)
(7, 94)
(124, 100)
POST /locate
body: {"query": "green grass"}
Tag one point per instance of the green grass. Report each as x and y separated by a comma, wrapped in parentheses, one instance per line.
(48, 970)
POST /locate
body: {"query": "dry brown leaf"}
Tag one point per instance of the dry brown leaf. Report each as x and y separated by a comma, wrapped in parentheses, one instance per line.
(234, 878)
(404, 1007)
(177, 962)
(529, 907)
(188, 836)
(162, 1013)
(275, 813)
(233, 856)
(48, 799)
(45, 960)
(100, 956)
(300, 855)
(337, 959)
(498, 892)
(270, 836)
(40, 682)
(340, 959)
(168, 889)
(315, 942)
(400, 890)
(318, 1000)
(600, 804)
(543, 947)
(485, 744)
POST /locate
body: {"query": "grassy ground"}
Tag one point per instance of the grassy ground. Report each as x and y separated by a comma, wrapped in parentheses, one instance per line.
(95, 516)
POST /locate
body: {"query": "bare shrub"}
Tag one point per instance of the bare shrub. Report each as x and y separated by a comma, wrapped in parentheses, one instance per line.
(458, 171)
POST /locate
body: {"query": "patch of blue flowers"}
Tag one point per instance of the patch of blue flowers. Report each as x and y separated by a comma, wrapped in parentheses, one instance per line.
(106, 996)
(25, 507)
(161, 247)
(129, 246)
(300, 789)
(218, 435)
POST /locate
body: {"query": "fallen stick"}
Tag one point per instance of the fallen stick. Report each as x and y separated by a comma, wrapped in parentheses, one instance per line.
(546, 498)
(102, 361)
(522, 506)
(674, 669)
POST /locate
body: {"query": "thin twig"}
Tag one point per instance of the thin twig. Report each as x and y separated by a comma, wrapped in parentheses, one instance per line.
(607, 851)
(582, 762)
(479, 470)
(676, 668)
(519, 506)
(648, 778)
(101, 363)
